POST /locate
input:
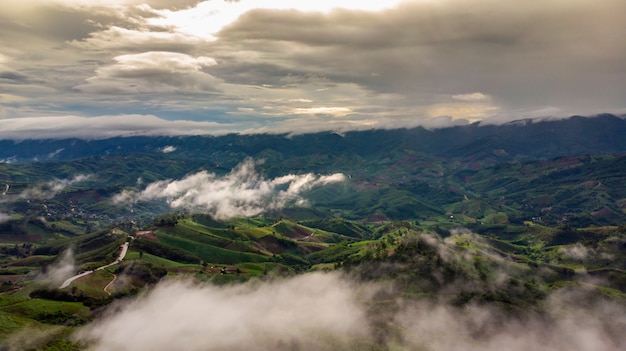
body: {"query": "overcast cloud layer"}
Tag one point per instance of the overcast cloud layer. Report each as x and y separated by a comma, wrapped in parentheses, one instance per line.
(132, 67)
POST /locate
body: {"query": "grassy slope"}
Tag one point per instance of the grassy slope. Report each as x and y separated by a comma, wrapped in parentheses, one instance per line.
(404, 184)
(536, 259)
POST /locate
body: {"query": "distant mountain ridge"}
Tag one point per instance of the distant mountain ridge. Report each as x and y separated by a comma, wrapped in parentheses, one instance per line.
(520, 141)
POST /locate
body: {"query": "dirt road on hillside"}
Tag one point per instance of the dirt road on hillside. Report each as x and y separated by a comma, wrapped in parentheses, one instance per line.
(78, 276)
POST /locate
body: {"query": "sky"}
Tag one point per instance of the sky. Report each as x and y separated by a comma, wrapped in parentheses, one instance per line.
(131, 67)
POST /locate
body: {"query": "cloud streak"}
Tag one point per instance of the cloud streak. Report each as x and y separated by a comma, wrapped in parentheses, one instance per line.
(101, 127)
(242, 192)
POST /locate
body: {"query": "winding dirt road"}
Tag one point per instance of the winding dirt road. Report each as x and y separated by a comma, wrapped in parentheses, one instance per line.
(106, 288)
(118, 260)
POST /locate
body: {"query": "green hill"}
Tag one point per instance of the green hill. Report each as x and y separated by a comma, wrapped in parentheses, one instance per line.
(499, 216)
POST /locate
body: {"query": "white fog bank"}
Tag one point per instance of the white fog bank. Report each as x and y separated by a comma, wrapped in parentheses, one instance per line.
(330, 312)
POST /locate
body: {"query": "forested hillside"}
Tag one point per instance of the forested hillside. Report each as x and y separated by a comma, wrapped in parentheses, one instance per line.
(498, 220)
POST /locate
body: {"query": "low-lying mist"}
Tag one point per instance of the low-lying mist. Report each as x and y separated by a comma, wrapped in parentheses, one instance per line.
(565, 324)
(242, 192)
(50, 189)
(331, 311)
(56, 273)
(307, 311)
(4, 217)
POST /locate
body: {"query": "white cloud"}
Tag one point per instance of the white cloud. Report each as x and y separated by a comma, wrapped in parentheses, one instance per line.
(116, 38)
(55, 153)
(153, 72)
(472, 97)
(11, 159)
(242, 192)
(209, 17)
(564, 327)
(103, 127)
(4, 217)
(331, 111)
(56, 273)
(60, 184)
(470, 111)
(307, 312)
(330, 312)
(50, 189)
(10, 98)
(168, 149)
(576, 252)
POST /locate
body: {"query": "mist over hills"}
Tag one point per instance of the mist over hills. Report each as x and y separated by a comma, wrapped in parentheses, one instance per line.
(520, 141)
(401, 175)
(547, 170)
(457, 238)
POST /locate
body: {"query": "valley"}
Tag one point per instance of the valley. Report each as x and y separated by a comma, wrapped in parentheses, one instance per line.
(485, 222)
(237, 175)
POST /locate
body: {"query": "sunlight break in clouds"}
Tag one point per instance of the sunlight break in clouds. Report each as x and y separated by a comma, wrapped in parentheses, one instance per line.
(208, 17)
(242, 192)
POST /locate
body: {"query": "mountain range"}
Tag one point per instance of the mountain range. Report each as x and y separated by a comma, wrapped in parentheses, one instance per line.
(515, 141)
(490, 220)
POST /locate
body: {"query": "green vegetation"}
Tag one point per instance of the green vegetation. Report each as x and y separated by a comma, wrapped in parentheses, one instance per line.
(473, 218)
